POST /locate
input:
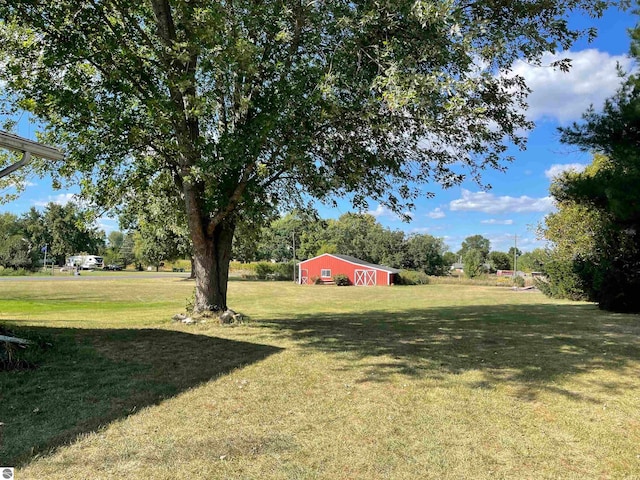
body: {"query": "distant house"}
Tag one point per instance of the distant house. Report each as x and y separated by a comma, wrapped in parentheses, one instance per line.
(504, 273)
(457, 267)
(511, 273)
(361, 273)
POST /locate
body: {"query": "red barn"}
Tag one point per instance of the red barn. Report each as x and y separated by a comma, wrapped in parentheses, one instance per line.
(359, 272)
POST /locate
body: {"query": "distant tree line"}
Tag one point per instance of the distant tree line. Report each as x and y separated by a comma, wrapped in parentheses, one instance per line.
(361, 236)
(65, 230)
(151, 239)
(358, 235)
(61, 229)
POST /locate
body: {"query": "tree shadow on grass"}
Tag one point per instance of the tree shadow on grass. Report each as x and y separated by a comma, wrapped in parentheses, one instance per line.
(89, 378)
(528, 346)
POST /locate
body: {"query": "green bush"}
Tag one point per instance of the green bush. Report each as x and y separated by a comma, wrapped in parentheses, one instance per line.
(247, 268)
(263, 269)
(613, 282)
(518, 281)
(412, 277)
(10, 272)
(562, 281)
(619, 289)
(283, 271)
(341, 280)
(181, 263)
(274, 271)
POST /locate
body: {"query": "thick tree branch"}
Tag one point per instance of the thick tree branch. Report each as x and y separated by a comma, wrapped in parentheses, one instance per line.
(234, 199)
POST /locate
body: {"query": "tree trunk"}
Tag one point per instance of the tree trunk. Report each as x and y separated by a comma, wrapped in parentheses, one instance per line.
(211, 257)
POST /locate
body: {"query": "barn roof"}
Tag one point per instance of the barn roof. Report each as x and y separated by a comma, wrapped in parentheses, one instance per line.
(357, 261)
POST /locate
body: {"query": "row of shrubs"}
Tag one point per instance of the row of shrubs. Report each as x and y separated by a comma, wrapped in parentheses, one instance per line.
(274, 271)
(340, 279)
(412, 277)
(482, 280)
(10, 272)
(405, 277)
(417, 277)
(263, 270)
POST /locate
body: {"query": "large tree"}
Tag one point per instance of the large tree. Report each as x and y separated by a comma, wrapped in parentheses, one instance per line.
(473, 263)
(476, 242)
(500, 260)
(425, 252)
(534, 260)
(65, 229)
(115, 240)
(605, 199)
(276, 242)
(70, 231)
(16, 249)
(581, 237)
(248, 103)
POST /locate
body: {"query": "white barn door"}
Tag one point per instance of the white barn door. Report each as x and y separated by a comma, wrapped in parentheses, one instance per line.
(365, 278)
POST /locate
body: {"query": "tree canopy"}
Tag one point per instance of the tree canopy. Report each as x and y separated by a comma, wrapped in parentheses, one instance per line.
(596, 230)
(240, 106)
(476, 242)
(63, 229)
(358, 235)
(500, 260)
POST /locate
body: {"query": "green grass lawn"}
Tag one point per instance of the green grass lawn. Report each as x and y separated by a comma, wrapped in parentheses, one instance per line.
(436, 381)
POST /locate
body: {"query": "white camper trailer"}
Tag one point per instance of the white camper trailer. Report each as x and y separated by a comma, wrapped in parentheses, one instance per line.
(85, 262)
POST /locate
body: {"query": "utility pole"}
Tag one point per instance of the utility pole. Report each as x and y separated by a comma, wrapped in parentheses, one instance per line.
(515, 256)
(294, 255)
(45, 259)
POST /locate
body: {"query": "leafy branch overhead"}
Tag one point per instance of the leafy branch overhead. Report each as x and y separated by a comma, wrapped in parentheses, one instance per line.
(328, 93)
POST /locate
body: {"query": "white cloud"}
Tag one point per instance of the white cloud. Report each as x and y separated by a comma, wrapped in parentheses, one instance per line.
(526, 243)
(564, 96)
(382, 211)
(60, 199)
(437, 213)
(556, 169)
(493, 221)
(490, 203)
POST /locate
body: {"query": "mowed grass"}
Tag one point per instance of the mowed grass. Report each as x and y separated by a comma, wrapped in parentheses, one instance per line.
(436, 381)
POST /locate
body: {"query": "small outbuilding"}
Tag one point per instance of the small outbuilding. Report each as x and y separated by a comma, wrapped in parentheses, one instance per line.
(324, 267)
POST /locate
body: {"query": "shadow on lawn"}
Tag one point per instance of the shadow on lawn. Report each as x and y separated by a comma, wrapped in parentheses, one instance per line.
(528, 346)
(89, 378)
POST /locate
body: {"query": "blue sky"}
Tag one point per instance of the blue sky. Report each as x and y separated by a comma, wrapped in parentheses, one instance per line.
(519, 199)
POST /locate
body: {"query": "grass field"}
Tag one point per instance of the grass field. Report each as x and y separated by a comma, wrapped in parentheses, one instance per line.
(436, 381)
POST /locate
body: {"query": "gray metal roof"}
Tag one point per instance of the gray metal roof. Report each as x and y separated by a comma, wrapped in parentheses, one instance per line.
(357, 261)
